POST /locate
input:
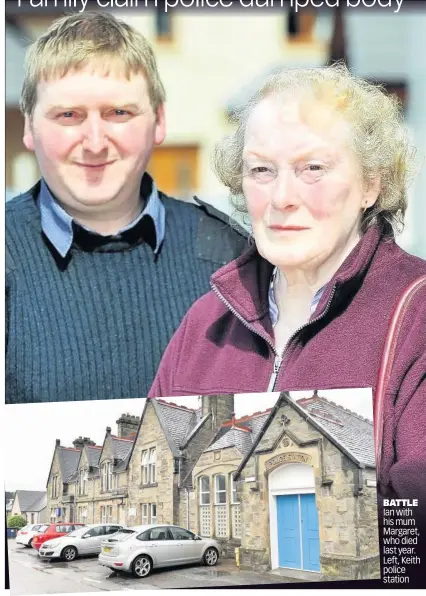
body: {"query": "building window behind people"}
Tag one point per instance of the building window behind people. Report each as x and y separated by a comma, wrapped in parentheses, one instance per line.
(163, 24)
(153, 513)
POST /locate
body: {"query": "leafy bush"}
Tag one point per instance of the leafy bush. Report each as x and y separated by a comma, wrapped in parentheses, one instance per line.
(16, 521)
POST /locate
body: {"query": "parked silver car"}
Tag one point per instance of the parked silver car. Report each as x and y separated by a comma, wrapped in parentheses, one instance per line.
(141, 548)
(83, 541)
(27, 533)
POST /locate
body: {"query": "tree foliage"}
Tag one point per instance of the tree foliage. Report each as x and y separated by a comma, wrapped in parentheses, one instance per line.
(16, 521)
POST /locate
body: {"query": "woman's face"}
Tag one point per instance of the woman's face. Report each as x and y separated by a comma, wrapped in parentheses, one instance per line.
(303, 185)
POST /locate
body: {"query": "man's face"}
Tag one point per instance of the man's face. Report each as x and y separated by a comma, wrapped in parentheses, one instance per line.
(93, 136)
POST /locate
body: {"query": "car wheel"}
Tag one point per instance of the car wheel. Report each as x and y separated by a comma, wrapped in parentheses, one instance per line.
(142, 566)
(69, 553)
(29, 543)
(210, 557)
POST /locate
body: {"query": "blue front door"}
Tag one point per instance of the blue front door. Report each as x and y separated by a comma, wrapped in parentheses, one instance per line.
(310, 533)
(289, 554)
(298, 535)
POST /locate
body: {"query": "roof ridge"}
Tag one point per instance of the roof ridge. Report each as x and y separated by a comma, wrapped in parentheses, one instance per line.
(173, 405)
(338, 406)
(122, 438)
(247, 417)
(319, 398)
(69, 448)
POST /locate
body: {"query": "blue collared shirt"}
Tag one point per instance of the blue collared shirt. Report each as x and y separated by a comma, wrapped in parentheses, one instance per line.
(57, 224)
(273, 307)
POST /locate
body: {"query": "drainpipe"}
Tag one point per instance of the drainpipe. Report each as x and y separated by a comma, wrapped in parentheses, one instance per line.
(186, 491)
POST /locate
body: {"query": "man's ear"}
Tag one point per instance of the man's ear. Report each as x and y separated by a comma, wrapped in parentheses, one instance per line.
(28, 137)
(371, 193)
(160, 125)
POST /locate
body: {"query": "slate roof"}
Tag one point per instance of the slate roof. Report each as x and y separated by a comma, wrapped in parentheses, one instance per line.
(31, 500)
(179, 421)
(68, 461)
(353, 432)
(240, 433)
(93, 455)
(121, 447)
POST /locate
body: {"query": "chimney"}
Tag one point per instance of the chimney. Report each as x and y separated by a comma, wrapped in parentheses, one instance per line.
(80, 442)
(58, 442)
(220, 408)
(127, 425)
(233, 418)
(108, 430)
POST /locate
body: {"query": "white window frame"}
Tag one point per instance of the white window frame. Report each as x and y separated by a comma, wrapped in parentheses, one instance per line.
(222, 491)
(144, 466)
(144, 513)
(204, 492)
(152, 464)
(107, 476)
(52, 515)
(153, 518)
(109, 514)
(233, 490)
(55, 485)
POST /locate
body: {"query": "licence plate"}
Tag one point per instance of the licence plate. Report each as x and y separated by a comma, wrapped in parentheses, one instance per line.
(107, 549)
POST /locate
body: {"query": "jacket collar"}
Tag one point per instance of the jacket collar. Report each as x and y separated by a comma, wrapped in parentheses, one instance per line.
(243, 284)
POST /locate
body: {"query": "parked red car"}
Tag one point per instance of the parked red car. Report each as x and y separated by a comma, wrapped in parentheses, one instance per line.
(54, 531)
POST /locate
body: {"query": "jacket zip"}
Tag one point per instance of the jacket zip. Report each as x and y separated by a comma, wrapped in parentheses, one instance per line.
(279, 357)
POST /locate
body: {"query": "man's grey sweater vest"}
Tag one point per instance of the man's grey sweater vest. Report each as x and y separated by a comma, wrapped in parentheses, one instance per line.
(95, 325)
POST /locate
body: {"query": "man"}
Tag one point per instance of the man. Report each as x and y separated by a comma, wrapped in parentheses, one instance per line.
(101, 267)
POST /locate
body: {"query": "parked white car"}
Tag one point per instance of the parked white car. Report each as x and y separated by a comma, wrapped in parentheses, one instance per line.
(139, 549)
(27, 533)
(83, 541)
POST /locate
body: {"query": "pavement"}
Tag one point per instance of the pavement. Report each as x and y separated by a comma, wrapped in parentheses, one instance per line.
(29, 574)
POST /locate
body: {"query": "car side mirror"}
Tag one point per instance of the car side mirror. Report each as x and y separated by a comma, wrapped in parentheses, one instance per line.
(86, 536)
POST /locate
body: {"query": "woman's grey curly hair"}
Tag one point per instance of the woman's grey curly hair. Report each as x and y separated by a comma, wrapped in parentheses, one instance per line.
(379, 137)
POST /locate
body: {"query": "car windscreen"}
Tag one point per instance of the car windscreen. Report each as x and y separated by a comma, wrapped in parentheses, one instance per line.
(42, 528)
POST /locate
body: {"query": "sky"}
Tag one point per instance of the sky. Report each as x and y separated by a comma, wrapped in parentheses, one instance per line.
(30, 430)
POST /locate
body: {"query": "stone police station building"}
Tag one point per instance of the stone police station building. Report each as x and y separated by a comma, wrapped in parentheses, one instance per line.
(293, 487)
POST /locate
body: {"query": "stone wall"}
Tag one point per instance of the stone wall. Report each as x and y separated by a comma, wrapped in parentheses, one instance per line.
(162, 491)
(55, 471)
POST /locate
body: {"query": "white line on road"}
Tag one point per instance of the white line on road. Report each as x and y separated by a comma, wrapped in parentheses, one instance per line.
(92, 580)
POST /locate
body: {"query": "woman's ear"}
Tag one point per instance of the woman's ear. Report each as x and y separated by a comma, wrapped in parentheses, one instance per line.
(371, 194)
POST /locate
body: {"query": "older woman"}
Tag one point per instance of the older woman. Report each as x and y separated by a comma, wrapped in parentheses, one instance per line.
(321, 160)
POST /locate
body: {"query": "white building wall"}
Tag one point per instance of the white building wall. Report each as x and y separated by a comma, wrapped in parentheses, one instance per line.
(392, 47)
